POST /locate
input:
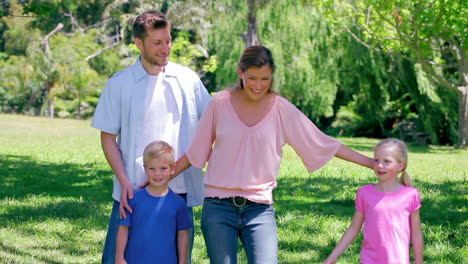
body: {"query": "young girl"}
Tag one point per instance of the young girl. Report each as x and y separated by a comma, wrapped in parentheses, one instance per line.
(389, 211)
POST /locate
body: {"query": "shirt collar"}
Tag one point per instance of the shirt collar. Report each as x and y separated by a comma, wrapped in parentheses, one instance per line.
(170, 70)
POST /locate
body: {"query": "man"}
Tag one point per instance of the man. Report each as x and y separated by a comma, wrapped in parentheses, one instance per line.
(153, 99)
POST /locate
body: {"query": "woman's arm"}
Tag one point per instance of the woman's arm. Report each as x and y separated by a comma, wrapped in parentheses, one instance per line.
(182, 245)
(348, 237)
(122, 238)
(417, 239)
(181, 164)
(348, 154)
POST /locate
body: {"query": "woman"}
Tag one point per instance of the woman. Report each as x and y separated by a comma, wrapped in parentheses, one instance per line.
(241, 135)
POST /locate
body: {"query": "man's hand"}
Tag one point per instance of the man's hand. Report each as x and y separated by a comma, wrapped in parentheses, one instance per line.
(127, 193)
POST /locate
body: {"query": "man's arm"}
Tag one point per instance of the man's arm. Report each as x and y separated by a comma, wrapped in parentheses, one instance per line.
(182, 245)
(348, 154)
(114, 158)
(122, 239)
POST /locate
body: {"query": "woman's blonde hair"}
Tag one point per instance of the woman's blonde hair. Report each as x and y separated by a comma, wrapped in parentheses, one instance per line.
(400, 153)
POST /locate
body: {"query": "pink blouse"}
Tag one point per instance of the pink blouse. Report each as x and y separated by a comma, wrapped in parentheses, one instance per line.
(244, 161)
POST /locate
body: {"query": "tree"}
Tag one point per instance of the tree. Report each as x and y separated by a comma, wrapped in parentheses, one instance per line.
(430, 33)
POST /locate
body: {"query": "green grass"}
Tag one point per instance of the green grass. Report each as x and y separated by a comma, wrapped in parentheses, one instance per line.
(55, 197)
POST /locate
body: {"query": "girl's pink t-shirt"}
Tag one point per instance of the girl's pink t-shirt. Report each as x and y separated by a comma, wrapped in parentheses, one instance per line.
(387, 230)
(244, 161)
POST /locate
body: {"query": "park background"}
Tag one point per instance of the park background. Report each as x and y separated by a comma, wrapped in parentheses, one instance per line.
(358, 69)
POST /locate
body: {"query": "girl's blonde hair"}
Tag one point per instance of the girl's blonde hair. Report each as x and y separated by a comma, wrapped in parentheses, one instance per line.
(158, 150)
(400, 153)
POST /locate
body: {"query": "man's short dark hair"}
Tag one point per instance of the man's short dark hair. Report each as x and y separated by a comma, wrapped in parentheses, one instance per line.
(148, 20)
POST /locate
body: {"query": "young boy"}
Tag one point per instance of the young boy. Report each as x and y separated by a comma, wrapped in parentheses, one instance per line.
(157, 230)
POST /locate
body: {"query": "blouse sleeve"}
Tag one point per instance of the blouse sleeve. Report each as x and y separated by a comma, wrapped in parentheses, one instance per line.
(199, 150)
(312, 145)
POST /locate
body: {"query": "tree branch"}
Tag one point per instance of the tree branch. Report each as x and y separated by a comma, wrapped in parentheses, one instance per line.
(45, 40)
(100, 51)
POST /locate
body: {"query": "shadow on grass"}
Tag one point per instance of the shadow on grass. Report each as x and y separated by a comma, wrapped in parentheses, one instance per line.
(72, 190)
(36, 194)
(15, 251)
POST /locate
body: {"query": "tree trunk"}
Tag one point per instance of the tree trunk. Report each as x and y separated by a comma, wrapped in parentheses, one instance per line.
(50, 101)
(463, 117)
(251, 38)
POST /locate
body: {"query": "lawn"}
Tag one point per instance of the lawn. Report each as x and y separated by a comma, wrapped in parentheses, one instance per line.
(55, 197)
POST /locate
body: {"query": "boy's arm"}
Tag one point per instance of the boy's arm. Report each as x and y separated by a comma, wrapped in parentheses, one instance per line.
(114, 158)
(348, 237)
(417, 239)
(182, 245)
(122, 238)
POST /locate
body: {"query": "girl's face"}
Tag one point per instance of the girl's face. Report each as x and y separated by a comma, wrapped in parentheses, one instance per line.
(257, 82)
(386, 165)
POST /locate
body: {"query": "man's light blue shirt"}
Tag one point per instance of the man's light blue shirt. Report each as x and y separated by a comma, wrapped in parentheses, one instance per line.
(120, 112)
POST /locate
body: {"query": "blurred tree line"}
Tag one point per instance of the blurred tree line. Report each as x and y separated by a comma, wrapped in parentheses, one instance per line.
(55, 56)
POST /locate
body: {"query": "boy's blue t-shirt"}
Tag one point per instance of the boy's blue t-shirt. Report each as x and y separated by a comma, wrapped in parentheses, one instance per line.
(153, 227)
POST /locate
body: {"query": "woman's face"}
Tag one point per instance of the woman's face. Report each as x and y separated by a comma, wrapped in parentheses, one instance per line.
(257, 82)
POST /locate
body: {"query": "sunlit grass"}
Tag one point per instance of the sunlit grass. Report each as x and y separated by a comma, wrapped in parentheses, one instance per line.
(55, 197)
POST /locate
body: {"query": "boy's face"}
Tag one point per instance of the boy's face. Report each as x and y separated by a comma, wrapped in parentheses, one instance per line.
(158, 172)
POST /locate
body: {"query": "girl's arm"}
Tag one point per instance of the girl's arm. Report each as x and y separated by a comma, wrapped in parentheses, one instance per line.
(348, 237)
(348, 154)
(122, 238)
(182, 245)
(181, 164)
(417, 239)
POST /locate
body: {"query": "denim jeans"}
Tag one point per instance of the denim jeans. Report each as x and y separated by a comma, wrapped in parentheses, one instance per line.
(223, 222)
(108, 255)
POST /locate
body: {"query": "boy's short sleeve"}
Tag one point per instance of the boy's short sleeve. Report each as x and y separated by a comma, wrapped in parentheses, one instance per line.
(184, 221)
(415, 201)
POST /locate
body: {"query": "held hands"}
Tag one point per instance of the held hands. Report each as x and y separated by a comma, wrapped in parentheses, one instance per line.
(127, 193)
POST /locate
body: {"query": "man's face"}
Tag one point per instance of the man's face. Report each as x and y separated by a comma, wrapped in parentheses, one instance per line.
(156, 46)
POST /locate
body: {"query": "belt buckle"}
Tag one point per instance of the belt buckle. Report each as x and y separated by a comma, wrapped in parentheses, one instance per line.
(239, 205)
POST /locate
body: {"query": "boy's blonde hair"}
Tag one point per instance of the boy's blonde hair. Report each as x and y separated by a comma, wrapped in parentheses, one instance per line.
(158, 150)
(400, 152)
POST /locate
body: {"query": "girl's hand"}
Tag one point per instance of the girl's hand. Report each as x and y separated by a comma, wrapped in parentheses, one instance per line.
(330, 260)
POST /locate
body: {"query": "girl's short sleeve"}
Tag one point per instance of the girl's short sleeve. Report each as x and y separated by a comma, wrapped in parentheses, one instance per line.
(360, 201)
(415, 201)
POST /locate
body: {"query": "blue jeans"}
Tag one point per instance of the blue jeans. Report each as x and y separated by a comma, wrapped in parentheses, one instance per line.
(108, 255)
(224, 221)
